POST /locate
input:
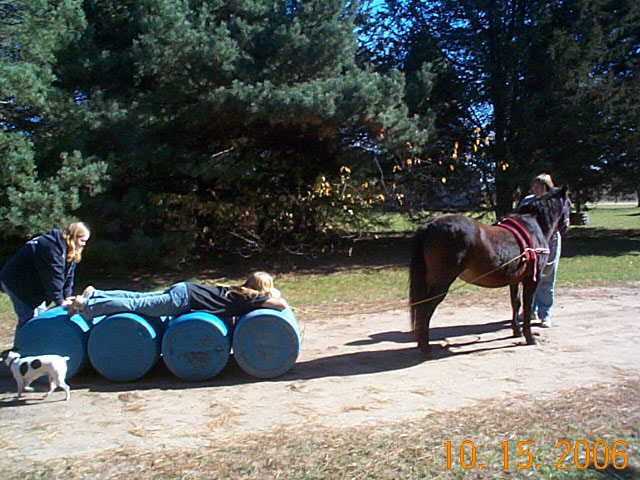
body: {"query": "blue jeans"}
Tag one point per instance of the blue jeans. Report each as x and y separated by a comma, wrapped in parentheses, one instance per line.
(23, 311)
(543, 298)
(173, 301)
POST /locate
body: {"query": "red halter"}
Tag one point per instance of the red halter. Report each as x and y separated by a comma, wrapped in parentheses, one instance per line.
(524, 240)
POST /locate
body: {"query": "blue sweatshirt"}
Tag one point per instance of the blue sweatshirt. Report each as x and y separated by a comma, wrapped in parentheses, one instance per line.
(39, 271)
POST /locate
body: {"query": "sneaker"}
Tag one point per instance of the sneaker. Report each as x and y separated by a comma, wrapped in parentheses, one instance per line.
(88, 292)
(274, 293)
(77, 305)
(545, 323)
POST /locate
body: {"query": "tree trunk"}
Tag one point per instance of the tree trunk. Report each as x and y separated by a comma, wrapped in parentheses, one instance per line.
(504, 191)
(504, 195)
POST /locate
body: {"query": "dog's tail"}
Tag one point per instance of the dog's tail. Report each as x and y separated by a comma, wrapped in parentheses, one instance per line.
(67, 358)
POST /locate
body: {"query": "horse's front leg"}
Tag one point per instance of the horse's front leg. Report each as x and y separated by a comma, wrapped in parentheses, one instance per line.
(515, 309)
(528, 289)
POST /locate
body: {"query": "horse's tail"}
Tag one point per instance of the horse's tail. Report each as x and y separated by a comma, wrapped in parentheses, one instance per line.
(417, 276)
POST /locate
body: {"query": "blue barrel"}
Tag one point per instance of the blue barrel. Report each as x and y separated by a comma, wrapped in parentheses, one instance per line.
(125, 346)
(53, 333)
(196, 346)
(266, 342)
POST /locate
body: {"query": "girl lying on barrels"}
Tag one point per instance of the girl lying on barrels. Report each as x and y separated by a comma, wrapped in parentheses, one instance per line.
(223, 301)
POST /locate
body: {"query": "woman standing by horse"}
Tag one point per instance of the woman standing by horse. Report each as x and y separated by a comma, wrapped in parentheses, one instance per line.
(511, 252)
(543, 298)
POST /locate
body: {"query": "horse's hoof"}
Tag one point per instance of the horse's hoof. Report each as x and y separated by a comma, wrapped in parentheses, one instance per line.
(517, 334)
(425, 349)
(533, 341)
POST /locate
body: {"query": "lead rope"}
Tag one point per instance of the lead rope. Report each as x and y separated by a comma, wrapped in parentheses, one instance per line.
(523, 254)
(304, 324)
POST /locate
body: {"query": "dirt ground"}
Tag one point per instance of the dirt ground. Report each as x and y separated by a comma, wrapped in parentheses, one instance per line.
(354, 369)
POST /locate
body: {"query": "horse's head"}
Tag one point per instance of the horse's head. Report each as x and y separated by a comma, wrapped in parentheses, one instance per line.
(551, 210)
(563, 223)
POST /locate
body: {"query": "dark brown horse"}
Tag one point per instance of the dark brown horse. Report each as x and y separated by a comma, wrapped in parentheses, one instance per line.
(451, 246)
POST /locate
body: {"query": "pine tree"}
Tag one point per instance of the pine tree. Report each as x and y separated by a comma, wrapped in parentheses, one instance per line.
(238, 117)
(40, 182)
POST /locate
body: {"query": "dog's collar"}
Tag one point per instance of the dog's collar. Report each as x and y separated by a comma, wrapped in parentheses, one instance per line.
(13, 360)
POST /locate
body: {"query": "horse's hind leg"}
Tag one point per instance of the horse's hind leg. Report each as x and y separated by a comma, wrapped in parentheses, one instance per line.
(528, 289)
(515, 308)
(427, 294)
(422, 313)
(436, 261)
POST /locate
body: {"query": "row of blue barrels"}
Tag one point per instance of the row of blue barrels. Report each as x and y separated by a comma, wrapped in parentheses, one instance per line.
(195, 346)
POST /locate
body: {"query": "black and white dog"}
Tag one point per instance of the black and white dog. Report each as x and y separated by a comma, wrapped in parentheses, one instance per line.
(26, 370)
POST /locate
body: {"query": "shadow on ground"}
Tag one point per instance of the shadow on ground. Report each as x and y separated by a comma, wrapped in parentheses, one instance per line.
(601, 242)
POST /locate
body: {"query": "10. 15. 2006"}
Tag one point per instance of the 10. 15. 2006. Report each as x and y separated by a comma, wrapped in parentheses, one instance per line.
(583, 454)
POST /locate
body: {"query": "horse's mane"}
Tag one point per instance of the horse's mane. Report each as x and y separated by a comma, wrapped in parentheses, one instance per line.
(545, 208)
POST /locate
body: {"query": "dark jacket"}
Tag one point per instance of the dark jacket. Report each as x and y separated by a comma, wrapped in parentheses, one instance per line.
(39, 271)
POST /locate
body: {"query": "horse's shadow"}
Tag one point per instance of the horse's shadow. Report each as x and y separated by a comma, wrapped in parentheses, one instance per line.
(395, 336)
(442, 333)
(362, 362)
(436, 333)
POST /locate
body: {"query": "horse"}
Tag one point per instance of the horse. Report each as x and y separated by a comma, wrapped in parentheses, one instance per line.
(510, 252)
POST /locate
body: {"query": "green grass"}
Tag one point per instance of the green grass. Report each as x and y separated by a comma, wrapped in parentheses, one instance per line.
(614, 216)
(358, 286)
(606, 250)
(7, 321)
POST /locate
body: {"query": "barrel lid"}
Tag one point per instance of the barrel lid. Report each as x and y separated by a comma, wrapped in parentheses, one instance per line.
(53, 333)
(266, 342)
(125, 346)
(196, 346)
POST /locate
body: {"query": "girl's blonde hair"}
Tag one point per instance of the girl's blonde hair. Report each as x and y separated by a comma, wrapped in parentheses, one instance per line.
(258, 283)
(261, 282)
(544, 179)
(71, 233)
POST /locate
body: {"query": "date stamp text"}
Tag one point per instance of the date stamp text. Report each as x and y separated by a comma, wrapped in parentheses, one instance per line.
(580, 455)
